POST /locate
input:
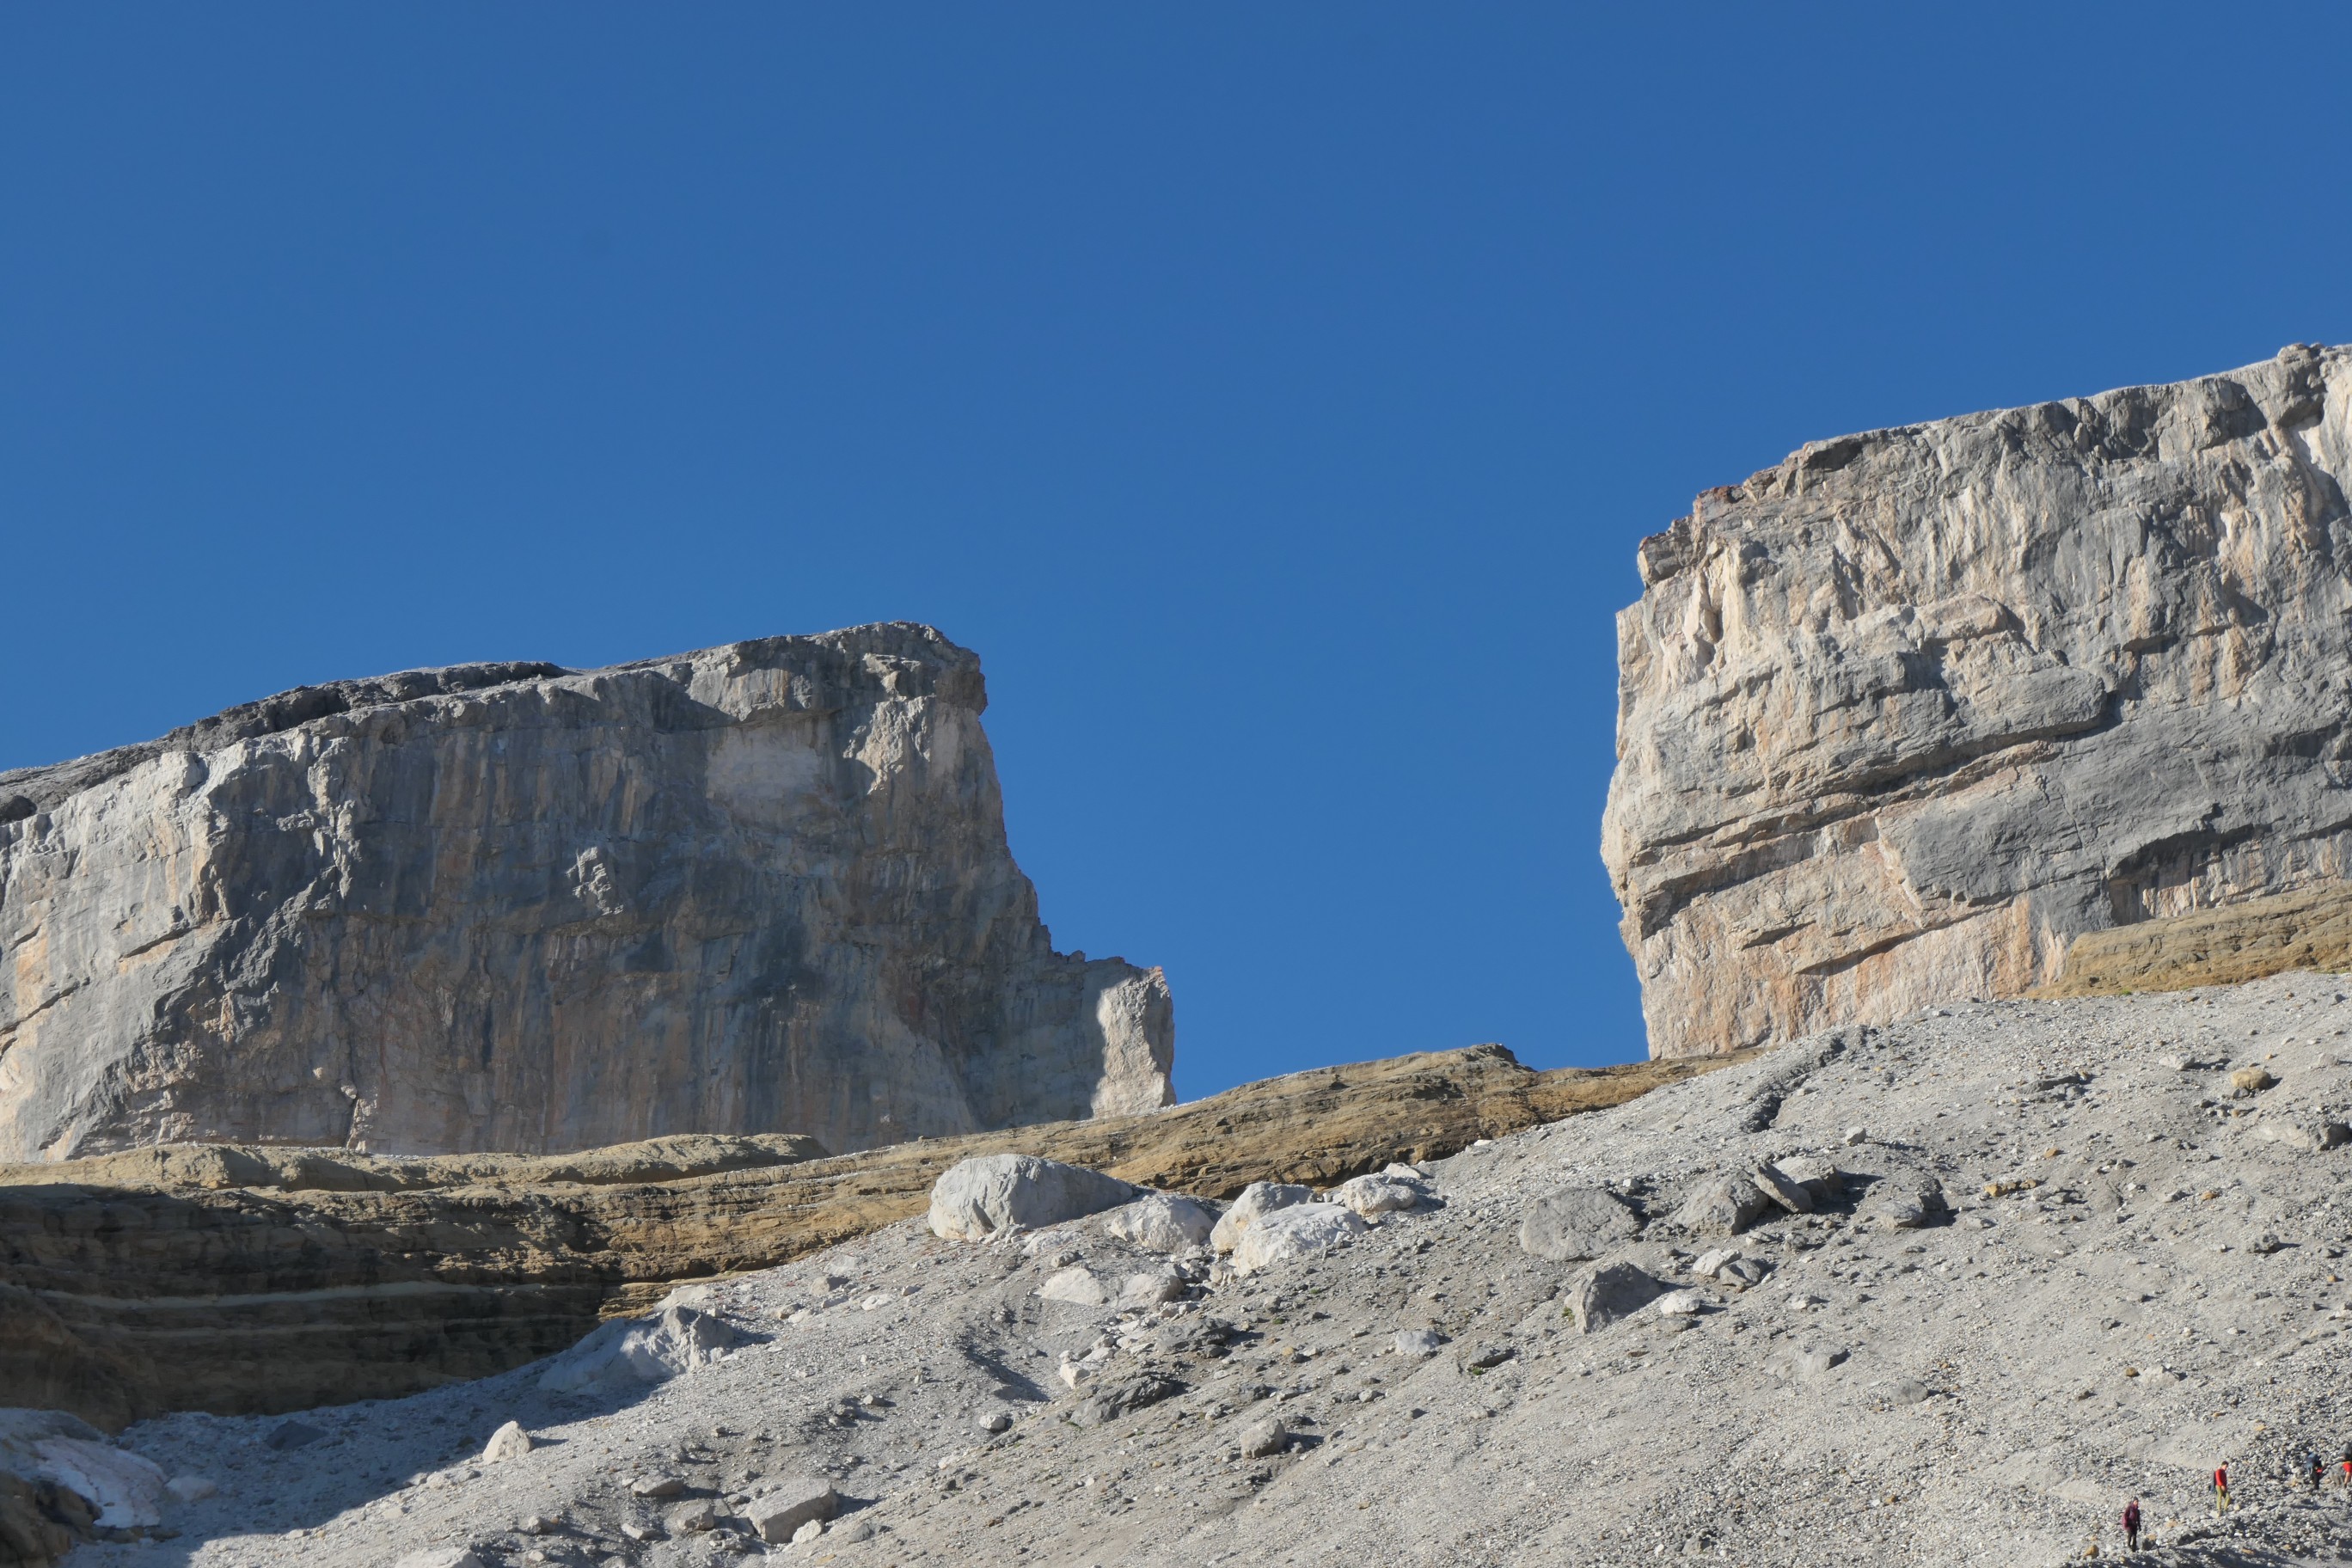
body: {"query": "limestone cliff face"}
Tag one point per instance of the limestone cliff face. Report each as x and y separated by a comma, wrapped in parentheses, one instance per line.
(763, 888)
(1902, 717)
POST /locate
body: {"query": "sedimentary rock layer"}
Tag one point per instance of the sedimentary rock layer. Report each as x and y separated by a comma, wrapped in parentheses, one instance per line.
(1904, 716)
(2310, 929)
(240, 1279)
(760, 889)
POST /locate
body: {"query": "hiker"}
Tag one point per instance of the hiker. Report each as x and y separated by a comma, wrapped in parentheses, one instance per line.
(2222, 1489)
(2318, 1470)
(2131, 1525)
(2348, 1464)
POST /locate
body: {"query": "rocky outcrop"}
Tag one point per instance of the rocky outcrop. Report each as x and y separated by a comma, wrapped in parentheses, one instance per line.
(241, 1280)
(760, 889)
(2308, 928)
(1904, 716)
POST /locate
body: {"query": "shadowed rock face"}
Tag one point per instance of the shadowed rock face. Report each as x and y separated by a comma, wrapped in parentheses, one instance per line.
(760, 889)
(1904, 716)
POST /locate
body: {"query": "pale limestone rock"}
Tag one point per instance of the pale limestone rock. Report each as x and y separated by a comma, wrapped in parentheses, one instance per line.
(785, 1506)
(1161, 1222)
(762, 887)
(1257, 1201)
(975, 1199)
(1902, 717)
(1380, 1195)
(508, 1442)
(635, 1350)
(1295, 1232)
(1078, 1285)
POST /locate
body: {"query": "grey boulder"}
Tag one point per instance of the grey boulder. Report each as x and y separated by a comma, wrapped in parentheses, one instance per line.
(1609, 1292)
(1582, 1222)
(1722, 1206)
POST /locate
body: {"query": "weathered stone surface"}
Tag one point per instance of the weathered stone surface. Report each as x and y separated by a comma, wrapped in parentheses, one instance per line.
(1608, 1292)
(1161, 1222)
(1584, 1222)
(785, 1506)
(632, 1351)
(1903, 717)
(1300, 1231)
(334, 1278)
(1723, 1206)
(1257, 1201)
(758, 889)
(975, 1198)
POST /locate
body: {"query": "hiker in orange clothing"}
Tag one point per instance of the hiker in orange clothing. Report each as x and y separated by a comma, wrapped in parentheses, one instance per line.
(2131, 1525)
(2222, 1489)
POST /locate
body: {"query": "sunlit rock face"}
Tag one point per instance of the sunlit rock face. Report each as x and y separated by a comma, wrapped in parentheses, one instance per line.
(1901, 716)
(760, 888)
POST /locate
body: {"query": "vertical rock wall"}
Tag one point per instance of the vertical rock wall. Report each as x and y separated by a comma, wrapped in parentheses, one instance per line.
(1902, 717)
(762, 888)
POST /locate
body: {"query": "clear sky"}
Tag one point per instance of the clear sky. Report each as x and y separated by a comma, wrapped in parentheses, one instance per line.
(1273, 396)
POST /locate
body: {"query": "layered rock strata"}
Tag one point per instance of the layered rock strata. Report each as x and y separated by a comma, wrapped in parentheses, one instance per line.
(2310, 929)
(762, 887)
(239, 1279)
(1902, 718)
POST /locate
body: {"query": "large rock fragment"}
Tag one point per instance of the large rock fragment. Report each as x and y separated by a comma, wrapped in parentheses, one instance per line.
(632, 1351)
(1112, 1401)
(1161, 1222)
(390, 914)
(1257, 1200)
(976, 1198)
(1722, 1206)
(779, 1510)
(1297, 1231)
(1584, 1222)
(1609, 1292)
(1904, 716)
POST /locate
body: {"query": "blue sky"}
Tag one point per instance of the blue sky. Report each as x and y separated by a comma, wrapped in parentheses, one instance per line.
(1274, 397)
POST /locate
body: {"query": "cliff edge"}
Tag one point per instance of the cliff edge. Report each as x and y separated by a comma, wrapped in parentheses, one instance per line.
(763, 888)
(1903, 717)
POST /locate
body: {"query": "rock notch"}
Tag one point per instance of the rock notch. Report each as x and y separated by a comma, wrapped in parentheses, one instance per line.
(1903, 717)
(758, 889)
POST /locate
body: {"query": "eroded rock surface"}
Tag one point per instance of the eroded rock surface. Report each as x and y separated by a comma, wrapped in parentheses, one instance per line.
(758, 889)
(1903, 717)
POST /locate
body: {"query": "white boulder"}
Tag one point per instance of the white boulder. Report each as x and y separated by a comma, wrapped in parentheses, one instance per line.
(1077, 1285)
(126, 1490)
(508, 1442)
(973, 1199)
(1161, 1222)
(777, 1513)
(1295, 1232)
(1370, 1195)
(1257, 1200)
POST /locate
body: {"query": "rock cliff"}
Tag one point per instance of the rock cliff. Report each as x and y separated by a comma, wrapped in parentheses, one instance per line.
(763, 888)
(1902, 718)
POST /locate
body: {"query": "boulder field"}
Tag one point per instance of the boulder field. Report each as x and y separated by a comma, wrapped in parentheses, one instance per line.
(1951, 1289)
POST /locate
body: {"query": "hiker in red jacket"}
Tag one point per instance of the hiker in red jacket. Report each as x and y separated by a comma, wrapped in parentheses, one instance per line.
(2131, 1523)
(2222, 1489)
